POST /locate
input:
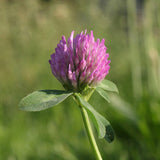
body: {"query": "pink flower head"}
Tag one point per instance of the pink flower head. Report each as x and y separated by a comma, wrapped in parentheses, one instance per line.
(80, 61)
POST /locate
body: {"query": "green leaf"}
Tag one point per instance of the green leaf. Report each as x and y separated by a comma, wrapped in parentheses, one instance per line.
(43, 99)
(103, 93)
(102, 125)
(108, 86)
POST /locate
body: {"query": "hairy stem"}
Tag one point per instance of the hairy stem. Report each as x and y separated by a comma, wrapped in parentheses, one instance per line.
(90, 133)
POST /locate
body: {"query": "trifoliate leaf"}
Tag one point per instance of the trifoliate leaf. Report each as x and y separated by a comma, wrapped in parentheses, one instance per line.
(102, 125)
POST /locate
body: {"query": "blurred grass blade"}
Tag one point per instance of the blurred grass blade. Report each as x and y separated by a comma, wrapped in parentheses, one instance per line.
(103, 93)
(43, 99)
(124, 108)
(102, 125)
(133, 42)
(108, 86)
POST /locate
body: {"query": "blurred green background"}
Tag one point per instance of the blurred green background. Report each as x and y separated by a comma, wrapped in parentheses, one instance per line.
(29, 33)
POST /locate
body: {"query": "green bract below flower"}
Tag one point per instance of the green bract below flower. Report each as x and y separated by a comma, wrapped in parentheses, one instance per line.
(80, 61)
(81, 65)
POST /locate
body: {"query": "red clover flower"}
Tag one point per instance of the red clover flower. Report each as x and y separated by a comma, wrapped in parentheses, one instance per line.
(80, 61)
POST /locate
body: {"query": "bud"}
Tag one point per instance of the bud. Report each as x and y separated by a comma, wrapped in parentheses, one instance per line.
(80, 61)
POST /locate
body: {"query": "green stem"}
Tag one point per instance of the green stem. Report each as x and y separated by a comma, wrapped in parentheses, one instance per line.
(90, 133)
